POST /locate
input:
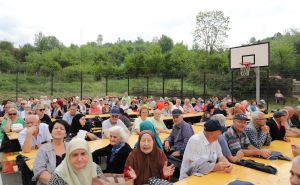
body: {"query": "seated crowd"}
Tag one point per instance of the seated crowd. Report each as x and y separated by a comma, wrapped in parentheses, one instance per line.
(59, 130)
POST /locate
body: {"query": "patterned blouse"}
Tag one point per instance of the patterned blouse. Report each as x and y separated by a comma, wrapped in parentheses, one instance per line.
(57, 180)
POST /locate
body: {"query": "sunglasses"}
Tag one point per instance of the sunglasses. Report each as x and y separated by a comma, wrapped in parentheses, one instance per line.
(42, 109)
(114, 116)
(175, 116)
(105, 104)
(12, 114)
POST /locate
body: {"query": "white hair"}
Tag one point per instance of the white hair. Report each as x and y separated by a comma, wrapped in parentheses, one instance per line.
(257, 114)
(220, 118)
(123, 134)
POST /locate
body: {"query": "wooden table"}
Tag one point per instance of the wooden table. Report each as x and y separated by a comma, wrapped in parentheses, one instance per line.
(228, 123)
(247, 174)
(187, 115)
(12, 135)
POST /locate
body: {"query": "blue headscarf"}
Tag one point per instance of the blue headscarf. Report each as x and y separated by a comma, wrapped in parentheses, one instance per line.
(147, 125)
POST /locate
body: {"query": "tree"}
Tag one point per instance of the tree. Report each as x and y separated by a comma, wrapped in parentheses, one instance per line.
(46, 43)
(211, 30)
(166, 43)
(99, 40)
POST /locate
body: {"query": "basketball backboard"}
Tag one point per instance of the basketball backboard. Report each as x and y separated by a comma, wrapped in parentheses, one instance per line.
(256, 54)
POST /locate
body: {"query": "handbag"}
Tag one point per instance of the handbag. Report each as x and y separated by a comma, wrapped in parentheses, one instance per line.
(111, 179)
(157, 181)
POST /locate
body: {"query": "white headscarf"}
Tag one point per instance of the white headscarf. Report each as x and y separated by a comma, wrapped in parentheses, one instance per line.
(66, 171)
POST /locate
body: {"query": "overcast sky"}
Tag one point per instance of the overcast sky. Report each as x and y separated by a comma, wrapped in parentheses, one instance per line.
(80, 21)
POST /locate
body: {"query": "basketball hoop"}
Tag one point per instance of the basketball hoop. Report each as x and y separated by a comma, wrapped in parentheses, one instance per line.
(245, 69)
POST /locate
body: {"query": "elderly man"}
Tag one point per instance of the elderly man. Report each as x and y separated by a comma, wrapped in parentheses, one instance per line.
(295, 172)
(257, 130)
(203, 153)
(181, 133)
(113, 121)
(68, 116)
(177, 105)
(34, 134)
(277, 126)
(238, 140)
(221, 109)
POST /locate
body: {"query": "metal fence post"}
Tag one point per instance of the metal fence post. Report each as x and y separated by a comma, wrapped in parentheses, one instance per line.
(181, 93)
(128, 86)
(163, 86)
(204, 86)
(232, 85)
(81, 84)
(106, 85)
(147, 86)
(268, 89)
(17, 83)
(52, 82)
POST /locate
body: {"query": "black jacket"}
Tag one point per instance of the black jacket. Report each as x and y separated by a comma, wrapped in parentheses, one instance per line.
(118, 163)
(276, 134)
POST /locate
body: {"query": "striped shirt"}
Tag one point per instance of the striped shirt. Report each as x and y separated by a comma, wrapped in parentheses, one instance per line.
(236, 141)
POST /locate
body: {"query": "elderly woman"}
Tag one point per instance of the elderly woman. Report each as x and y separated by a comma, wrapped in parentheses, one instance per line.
(187, 107)
(147, 125)
(147, 161)
(79, 123)
(199, 107)
(26, 111)
(94, 109)
(9, 119)
(144, 112)
(116, 152)
(158, 122)
(50, 155)
(78, 167)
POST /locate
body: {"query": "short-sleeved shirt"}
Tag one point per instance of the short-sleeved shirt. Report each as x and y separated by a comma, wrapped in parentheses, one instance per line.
(4, 121)
(107, 124)
(235, 140)
(43, 135)
(199, 147)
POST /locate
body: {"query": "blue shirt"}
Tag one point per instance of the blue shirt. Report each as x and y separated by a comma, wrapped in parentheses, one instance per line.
(180, 136)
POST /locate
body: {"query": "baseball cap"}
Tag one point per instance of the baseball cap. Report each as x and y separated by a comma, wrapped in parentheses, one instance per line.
(279, 114)
(115, 111)
(176, 112)
(241, 116)
(213, 125)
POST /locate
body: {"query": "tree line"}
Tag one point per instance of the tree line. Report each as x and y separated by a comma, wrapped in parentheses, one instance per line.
(161, 56)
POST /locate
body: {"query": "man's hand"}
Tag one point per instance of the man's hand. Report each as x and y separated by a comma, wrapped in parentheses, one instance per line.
(229, 168)
(221, 166)
(265, 129)
(265, 153)
(176, 154)
(239, 155)
(167, 145)
(31, 130)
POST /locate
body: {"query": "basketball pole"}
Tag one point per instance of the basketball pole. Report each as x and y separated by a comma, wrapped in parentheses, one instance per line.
(257, 72)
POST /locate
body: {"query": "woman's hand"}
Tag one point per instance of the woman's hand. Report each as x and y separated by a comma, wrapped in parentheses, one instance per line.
(168, 170)
(131, 173)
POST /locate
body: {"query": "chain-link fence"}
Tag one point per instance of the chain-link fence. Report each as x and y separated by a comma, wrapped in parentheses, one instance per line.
(205, 84)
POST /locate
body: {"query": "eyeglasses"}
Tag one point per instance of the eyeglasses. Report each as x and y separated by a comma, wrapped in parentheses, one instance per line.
(12, 114)
(114, 116)
(105, 104)
(42, 109)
